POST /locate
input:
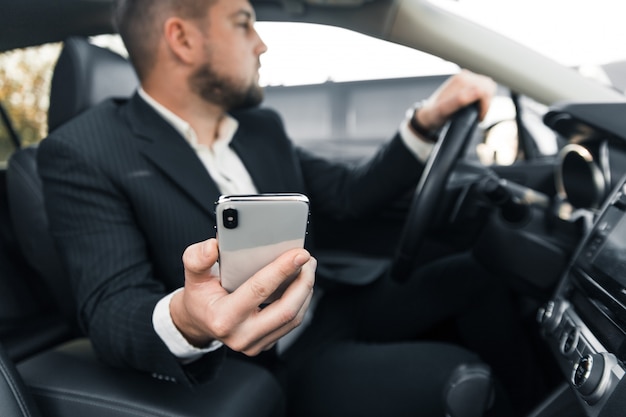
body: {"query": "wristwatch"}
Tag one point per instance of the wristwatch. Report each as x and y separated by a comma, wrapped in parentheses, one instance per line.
(431, 135)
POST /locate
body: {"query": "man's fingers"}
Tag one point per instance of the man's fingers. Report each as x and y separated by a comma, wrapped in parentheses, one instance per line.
(287, 308)
(280, 317)
(272, 338)
(459, 91)
(263, 327)
(477, 88)
(256, 290)
(245, 327)
(199, 258)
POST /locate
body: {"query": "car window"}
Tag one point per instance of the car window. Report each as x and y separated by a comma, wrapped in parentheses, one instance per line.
(342, 93)
(9, 139)
(25, 76)
(305, 53)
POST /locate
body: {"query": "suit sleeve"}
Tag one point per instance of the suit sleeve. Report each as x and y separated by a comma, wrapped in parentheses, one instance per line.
(107, 259)
(336, 189)
(344, 191)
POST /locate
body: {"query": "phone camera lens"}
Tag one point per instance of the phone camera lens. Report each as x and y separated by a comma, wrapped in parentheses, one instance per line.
(230, 218)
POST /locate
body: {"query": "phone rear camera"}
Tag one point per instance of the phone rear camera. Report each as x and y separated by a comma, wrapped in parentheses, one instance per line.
(230, 218)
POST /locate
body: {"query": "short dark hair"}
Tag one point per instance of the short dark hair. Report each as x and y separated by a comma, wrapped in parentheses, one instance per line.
(139, 23)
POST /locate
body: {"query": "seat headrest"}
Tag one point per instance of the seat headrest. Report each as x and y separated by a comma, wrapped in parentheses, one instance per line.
(85, 75)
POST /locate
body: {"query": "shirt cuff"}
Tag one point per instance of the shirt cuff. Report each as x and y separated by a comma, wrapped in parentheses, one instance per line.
(418, 146)
(172, 337)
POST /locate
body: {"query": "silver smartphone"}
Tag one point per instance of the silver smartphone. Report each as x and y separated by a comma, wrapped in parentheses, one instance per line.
(253, 230)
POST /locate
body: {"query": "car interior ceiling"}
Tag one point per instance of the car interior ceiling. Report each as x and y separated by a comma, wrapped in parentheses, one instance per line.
(55, 361)
(82, 18)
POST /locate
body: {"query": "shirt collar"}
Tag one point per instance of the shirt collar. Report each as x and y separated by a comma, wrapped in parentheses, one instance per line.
(225, 131)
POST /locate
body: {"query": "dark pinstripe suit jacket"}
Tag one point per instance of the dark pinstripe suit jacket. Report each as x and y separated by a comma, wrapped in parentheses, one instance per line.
(126, 195)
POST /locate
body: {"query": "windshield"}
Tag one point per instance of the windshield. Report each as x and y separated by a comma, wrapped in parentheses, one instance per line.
(579, 33)
(572, 32)
(302, 53)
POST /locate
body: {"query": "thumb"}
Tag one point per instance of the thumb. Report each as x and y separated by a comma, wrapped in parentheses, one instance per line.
(199, 258)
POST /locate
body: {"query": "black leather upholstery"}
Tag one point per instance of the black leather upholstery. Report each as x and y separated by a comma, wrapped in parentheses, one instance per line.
(94, 74)
(469, 392)
(15, 400)
(30, 223)
(69, 381)
(84, 75)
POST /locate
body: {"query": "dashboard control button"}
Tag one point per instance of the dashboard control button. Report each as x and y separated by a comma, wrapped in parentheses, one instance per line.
(544, 313)
(569, 340)
(588, 376)
(550, 315)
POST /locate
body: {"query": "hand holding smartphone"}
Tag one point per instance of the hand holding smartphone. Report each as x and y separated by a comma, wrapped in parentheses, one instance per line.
(253, 230)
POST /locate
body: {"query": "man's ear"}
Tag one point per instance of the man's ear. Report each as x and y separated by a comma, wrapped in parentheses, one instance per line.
(183, 39)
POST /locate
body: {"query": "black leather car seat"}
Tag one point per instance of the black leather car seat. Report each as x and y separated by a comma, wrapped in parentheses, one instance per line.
(69, 381)
(15, 399)
(83, 76)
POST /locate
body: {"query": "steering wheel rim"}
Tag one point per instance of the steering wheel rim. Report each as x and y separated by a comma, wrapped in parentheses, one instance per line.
(448, 149)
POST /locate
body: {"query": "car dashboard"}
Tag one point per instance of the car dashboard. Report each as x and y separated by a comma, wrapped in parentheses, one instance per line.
(584, 322)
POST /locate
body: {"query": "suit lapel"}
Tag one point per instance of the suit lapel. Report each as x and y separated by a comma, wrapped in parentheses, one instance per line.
(169, 151)
(251, 154)
(268, 162)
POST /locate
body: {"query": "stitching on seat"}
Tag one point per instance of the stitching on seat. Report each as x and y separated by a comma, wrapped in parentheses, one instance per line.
(102, 402)
(13, 386)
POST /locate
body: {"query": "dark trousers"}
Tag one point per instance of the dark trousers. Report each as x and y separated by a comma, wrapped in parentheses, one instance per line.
(370, 350)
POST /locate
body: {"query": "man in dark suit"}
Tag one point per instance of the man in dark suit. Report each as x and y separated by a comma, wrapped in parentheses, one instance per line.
(130, 187)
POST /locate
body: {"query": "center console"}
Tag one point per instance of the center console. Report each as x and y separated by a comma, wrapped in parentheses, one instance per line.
(585, 322)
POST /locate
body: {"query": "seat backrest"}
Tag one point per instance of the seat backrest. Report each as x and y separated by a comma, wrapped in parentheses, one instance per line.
(15, 400)
(84, 75)
(30, 223)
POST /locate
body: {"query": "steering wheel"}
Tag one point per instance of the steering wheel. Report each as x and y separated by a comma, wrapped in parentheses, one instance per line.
(426, 199)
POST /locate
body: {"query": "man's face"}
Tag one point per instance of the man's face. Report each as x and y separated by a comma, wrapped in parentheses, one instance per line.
(229, 76)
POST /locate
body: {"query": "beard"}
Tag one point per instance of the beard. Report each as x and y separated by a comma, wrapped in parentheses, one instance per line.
(224, 92)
